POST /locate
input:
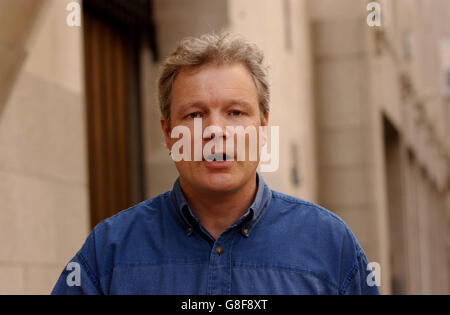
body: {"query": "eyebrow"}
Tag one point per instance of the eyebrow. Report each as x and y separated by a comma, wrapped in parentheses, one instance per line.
(199, 104)
(184, 107)
(239, 102)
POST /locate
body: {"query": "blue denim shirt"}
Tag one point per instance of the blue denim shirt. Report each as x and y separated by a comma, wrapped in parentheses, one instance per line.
(281, 245)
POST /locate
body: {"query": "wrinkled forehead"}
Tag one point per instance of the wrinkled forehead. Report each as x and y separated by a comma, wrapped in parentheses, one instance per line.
(213, 84)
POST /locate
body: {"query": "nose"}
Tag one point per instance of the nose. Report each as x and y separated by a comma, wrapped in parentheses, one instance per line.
(214, 126)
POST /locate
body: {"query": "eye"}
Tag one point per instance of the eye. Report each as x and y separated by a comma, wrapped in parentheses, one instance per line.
(235, 113)
(194, 115)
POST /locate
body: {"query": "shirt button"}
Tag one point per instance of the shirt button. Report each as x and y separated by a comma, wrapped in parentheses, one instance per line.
(219, 250)
(189, 229)
(245, 231)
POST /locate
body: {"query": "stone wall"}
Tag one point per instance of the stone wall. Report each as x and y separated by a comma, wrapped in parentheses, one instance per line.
(43, 169)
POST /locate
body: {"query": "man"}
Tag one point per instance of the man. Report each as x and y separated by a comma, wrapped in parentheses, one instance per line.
(221, 230)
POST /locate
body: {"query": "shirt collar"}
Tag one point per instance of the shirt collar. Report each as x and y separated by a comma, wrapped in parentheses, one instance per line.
(247, 221)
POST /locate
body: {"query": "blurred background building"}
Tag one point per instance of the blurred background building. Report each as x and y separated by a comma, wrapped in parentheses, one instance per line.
(364, 116)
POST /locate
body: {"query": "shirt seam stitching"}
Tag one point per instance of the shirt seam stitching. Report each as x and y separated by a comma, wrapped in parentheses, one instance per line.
(159, 264)
(89, 271)
(290, 269)
(350, 275)
(307, 204)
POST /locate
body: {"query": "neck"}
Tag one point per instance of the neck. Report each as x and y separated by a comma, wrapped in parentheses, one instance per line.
(218, 210)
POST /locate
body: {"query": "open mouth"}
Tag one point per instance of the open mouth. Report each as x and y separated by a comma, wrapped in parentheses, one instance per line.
(222, 157)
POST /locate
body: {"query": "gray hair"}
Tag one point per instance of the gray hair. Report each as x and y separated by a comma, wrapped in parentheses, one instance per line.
(224, 48)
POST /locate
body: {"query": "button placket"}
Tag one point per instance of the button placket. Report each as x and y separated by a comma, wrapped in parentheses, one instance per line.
(213, 270)
(219, 265)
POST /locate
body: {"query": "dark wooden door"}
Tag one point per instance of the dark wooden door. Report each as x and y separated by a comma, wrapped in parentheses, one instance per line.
(112, 41)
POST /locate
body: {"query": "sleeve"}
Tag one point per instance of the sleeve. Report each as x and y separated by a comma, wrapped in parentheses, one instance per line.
(361, 280)
(79, 276)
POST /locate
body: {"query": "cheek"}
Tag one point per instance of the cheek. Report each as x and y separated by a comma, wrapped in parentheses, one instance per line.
(187, 168)
(250, 147)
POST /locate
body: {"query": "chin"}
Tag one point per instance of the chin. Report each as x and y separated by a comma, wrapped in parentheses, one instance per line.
(215, 181)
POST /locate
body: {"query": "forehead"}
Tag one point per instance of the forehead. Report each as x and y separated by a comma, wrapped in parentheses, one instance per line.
(214, 84)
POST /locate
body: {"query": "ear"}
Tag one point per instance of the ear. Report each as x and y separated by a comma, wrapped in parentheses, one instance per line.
(265, 121)
(166, 131)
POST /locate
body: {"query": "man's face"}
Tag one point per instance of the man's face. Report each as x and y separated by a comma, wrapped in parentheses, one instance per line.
(221, 95)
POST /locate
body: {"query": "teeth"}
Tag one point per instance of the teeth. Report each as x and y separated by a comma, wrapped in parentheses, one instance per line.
(217, 157)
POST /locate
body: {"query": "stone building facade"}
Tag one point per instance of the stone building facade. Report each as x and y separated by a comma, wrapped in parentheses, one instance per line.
(382, 129)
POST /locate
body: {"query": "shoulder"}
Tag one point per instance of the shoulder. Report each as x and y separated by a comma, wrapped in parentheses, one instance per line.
(146, 211)
(322, 234)
(315, 219)
(300, 207)
(110, 239)
(129, 225)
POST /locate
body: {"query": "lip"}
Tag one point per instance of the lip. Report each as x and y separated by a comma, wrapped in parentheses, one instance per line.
(218, 164)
